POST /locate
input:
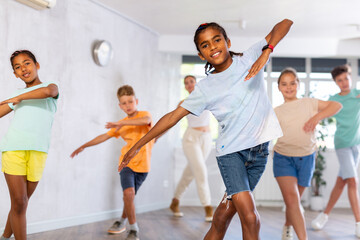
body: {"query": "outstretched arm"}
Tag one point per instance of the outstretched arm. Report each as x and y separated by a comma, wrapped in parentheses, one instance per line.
(4, 109)
(99, 139)
(134, 122)
(325, 109)
(273, 38)
(165, 123)
(45, 92)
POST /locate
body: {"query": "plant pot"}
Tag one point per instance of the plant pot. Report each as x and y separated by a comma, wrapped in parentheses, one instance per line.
(316, 203)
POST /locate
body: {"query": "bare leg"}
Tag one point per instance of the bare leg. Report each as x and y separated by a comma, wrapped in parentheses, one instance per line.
(19, 189)
(31, 186)
(335, 194)
(301, 191)
(249, 217)
(290, 192)
(124, 213)
(353, 195)
(221, 220)
(129, 206)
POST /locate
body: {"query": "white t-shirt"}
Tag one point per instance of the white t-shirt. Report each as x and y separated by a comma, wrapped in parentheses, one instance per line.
(242, 109)
(199, 121)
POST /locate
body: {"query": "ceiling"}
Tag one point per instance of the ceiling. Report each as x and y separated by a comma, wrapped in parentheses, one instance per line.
(313, 19)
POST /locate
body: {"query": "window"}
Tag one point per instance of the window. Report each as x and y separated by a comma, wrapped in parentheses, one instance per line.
(314, 75)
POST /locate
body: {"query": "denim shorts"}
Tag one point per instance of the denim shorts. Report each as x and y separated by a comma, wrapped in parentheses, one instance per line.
(129, 178)
(241, 171)
(348, 160)
(300, 167)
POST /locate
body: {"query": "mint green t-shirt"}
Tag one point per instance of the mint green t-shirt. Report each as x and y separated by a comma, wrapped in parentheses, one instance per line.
(30, 128)
(347, 120)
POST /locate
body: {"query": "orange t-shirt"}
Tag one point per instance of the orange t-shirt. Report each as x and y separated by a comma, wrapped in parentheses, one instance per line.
(131, 134)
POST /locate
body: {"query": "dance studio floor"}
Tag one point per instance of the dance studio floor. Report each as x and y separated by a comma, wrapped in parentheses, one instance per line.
(161, 225)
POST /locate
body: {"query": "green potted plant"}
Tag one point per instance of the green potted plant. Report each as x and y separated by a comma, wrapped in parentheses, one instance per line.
(318, 181)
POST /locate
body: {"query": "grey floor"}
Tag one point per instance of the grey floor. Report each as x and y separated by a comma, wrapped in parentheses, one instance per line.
(161, 225)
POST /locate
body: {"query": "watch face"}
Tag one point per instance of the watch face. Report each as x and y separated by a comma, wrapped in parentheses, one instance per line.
(103, 53)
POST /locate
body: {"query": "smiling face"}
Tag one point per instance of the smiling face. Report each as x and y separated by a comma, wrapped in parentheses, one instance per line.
(214, 48)
(189, 83)
(26, 69)
(288, 86)
(128, 104)
(343, 81)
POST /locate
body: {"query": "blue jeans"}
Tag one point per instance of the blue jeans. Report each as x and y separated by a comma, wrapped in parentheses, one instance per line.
(241, 171)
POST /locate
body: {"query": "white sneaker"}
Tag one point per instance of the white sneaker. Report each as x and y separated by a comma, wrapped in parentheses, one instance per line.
(357, 229)
(319, 222)
(287, 233)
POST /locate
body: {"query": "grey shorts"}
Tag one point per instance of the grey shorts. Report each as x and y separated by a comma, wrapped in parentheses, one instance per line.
(348, 160)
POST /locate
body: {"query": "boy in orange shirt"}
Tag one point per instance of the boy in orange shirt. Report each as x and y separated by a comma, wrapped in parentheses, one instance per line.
(131, 129)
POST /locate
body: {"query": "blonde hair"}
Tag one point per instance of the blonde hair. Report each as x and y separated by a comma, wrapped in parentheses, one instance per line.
(125, 90)
(286, 71)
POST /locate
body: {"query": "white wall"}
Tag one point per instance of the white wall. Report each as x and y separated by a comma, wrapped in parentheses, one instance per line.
(87, 188)
(294, 47)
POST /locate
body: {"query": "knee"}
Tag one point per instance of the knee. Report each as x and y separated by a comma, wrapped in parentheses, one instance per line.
(292, 200)
(129, 194)
(351, 182)
(19, 204)
(251, 218)
(222, 217)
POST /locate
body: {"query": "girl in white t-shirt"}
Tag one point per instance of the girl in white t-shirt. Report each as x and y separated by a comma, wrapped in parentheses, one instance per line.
(234, 92)
(197, 144)
(294, 152)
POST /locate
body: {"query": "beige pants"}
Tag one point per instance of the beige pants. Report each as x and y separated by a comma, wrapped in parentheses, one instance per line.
(197, 146)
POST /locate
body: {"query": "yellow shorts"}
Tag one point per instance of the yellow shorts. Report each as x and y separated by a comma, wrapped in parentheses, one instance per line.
(27, 163)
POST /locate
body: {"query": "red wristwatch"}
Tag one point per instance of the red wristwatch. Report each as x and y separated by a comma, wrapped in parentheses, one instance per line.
(268, 46)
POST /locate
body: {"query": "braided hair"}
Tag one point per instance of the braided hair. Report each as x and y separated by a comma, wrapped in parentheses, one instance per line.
(200, 29)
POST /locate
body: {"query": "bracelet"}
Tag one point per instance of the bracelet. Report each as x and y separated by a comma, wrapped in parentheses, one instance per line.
(271, 47)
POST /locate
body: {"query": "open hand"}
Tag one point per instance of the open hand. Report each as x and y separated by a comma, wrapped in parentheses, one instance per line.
(127, 157)
(257, 66)
(116, 125)
(14, 101)
(77, 151)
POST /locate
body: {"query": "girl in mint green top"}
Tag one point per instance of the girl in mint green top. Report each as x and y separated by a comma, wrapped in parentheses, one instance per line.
(347, 145)
(26, 143)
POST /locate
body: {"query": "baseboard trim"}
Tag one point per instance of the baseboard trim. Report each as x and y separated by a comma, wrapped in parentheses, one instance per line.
(48, 225)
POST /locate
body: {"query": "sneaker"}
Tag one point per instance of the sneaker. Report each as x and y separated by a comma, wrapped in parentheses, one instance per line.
(4, 238)
(132, 235)
(174, 207)
(208, 213)
(357, 229)
(287, 233)
(319, 222)
(117, 228)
